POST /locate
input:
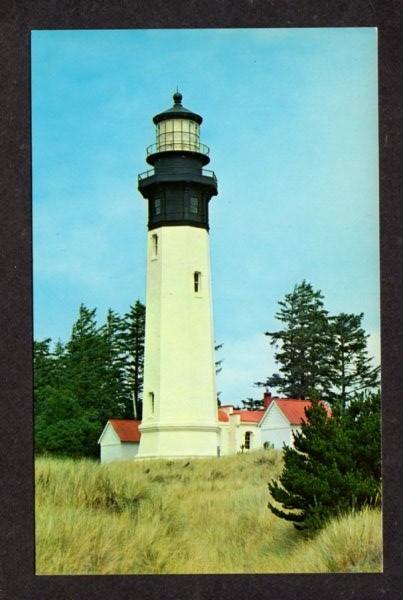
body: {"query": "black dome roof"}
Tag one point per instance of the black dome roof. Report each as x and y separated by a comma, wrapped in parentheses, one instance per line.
(177, 112)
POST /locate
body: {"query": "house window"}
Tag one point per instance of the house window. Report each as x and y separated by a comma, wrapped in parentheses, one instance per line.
(157, 206)
(248, 436)
(154, 245)
(194, 205)
(152, 402)
(197, 282)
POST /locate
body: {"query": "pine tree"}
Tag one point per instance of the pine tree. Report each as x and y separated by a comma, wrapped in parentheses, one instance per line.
(56, 409)
(334, 465)
(50, 384)
(113, 332)
(304, 345)
(43, 371)
(91, 379)
(352, 370)
(252, 404)
(134, 350)
(85, 361)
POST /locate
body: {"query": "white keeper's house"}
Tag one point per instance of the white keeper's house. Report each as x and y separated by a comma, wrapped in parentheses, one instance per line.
(239, 430)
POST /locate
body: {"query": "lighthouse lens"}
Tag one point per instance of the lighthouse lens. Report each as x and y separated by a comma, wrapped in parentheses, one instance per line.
(178, 134)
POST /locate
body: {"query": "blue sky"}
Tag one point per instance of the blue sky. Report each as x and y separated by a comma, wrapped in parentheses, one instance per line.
(290, 116)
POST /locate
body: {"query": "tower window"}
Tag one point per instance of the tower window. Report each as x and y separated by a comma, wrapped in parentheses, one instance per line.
(157, 206)
(152, 402)
(197, 282)
(154, 245)
(194, 205)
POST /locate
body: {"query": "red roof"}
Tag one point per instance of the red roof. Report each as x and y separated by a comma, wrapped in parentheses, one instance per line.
(127, 429)
(222, 415)
(252, 416)
(294, 410)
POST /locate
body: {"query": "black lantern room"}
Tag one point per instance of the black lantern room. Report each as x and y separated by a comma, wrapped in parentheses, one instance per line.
(178, 188)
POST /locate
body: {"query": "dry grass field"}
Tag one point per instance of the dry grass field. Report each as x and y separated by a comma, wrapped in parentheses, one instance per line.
(196, 516)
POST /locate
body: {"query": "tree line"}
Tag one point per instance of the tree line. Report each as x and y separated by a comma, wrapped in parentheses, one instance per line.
(97, 375)
(318, 353)
(334, 465)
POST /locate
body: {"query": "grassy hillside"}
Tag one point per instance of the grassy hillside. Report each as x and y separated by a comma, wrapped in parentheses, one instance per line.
(197, 516)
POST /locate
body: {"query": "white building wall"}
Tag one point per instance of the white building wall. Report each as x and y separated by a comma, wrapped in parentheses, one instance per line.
(179, 399)
(113, 449)
(255, 440)
(225, 438)
(232, 435)
(275, 428)
(119, 451)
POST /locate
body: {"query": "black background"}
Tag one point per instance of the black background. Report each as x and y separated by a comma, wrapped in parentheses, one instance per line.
(17, 19)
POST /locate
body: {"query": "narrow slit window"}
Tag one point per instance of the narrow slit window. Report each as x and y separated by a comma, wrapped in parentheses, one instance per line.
(157, 206)
(152, 402)
(197, 282)
(154, 246)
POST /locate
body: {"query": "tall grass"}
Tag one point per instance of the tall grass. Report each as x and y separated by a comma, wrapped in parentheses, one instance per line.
(185, 516)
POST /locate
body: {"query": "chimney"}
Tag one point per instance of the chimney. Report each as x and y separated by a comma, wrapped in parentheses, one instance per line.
(266, 399)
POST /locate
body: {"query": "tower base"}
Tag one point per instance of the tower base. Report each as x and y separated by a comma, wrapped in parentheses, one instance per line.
(179, 440)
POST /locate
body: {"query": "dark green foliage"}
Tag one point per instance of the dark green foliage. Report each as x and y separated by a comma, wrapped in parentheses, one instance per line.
(44, 371)
(64, 428)
(91, 379)
(115, 360)
(303, 345)
(251, 404)
(134, 334)
(318, 352)
(351, 366)
(334, 466)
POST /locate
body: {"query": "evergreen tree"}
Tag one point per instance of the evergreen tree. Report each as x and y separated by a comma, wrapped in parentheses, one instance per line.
(113, 332)
(95, 377)
(86, 364)
(252, 404)
(64, 427)
(75, 405)
(43, 372)
(134, 351)
(304, 345)
(334, 465)
(351, 366)
(50, 384)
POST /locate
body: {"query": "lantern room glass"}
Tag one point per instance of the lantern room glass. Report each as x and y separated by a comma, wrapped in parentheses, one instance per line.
(178, 134)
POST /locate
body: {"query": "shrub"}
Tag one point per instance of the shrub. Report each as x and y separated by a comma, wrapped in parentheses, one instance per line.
(334, 466)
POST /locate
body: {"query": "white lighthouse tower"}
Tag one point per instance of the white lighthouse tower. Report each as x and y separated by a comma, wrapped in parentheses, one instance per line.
(179, 394)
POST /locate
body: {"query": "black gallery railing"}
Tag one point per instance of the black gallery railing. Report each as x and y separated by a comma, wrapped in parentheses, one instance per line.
(151, 173)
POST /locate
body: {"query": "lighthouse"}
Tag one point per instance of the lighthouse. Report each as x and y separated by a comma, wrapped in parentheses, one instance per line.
(179, 393)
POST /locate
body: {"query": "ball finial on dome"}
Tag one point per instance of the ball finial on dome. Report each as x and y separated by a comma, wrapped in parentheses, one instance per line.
(177, 97)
